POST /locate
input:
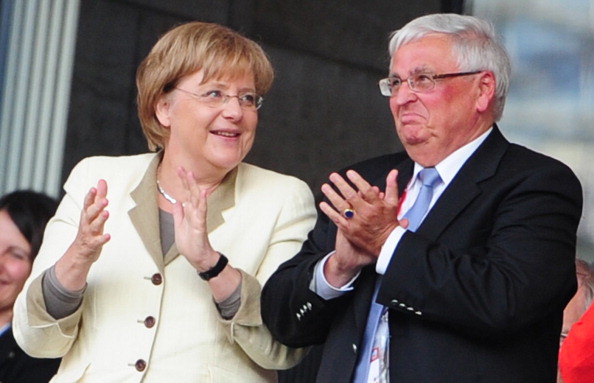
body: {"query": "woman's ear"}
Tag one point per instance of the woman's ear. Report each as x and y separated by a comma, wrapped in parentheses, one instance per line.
(162, 111)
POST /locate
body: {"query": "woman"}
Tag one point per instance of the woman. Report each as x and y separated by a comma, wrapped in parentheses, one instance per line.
(158, 279)
(23, 216)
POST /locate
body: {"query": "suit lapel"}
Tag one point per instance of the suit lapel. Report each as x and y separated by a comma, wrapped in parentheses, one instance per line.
(466, 184)
(221, 200)
(145, 214)
(405, 171)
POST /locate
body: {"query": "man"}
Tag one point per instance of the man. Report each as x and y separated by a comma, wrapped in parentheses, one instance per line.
(476, 292)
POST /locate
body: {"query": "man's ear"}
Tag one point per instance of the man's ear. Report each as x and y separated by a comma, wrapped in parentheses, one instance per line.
(486, 94)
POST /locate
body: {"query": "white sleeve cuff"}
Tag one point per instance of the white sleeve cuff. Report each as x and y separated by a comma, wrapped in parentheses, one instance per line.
(320, 285)
(388, 250)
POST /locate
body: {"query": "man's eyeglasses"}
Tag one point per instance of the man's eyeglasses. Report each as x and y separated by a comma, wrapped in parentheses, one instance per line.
(216, 98)
(417, 83)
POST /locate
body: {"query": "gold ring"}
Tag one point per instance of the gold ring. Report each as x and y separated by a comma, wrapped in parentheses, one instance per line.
(348, 213)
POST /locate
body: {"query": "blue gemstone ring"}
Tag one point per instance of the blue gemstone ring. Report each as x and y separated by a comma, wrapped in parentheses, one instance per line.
(348, 213)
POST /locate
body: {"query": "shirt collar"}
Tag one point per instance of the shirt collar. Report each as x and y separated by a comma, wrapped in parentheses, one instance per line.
(449, 167)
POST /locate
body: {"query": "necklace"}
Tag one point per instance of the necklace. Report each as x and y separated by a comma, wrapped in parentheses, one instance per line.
(164, 193)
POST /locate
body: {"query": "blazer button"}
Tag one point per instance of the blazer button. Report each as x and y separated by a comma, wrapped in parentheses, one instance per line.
(149, 321)
(157, 279)
(355, 349)
(140, 365)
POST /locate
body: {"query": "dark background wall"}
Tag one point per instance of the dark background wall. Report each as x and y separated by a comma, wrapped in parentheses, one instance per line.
(323, 112)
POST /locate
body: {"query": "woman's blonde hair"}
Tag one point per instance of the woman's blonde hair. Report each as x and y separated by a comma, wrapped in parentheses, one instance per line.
(218, 51)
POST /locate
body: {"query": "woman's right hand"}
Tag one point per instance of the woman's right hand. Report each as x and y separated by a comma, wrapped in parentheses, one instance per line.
(72, 269)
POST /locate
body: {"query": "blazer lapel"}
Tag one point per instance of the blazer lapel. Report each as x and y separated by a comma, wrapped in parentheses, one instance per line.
(220, 201)
(405, 171)
(465, 186)
(145, 213)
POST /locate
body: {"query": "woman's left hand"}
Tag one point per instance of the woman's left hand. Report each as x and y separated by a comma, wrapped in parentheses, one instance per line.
(191, 235)
(191, 238)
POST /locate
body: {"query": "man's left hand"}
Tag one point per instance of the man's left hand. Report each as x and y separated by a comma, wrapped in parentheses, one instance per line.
(375, 212)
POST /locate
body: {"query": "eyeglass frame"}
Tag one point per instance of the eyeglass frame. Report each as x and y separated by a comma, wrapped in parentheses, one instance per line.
(386, 85)
(259, 100)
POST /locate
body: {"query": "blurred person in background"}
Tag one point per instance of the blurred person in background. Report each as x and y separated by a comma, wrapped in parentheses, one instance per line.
(23, 216)
(576, 356)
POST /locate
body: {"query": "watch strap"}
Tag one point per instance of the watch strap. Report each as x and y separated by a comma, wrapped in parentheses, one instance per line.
(215, 270)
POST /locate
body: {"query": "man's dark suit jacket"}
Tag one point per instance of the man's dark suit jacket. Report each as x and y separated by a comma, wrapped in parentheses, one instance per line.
(18, 367)
(475, 295)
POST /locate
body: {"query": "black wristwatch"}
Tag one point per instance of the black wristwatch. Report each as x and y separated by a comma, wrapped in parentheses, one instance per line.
(215, 270)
